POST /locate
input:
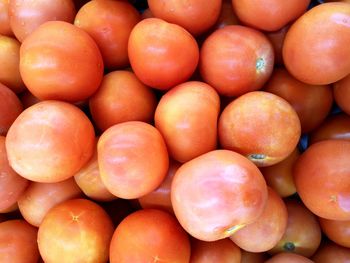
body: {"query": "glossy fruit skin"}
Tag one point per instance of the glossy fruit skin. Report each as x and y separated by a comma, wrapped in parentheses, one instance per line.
(10, 108)
(332, 253)
(12, 185)
(303, 233)
(122, 97)
(18, 242)
(133, 159)
(261, 126)
(217, 193)
(109, 23)
(26, 16)
(267, 230)
(269, 15)
(192, 15)
(187, 117)
(317, 43)
(5, 28)
(236, 59)
(341, 91)
(224, 251)
(288, 257)
(312, 103)
(325, 193)
(277, 39)
(50, 141)
(77, 230)
(149, 235)
(9, 59)
(39, 198)
(48, 75)
(157, 54)
(337, 231)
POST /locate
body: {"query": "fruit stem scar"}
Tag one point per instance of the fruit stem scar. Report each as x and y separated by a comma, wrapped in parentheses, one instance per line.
(256, 156)
(260, 64)
(289, 246)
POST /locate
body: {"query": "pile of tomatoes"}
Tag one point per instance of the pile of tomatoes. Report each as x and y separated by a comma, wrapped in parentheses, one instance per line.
(174, 131)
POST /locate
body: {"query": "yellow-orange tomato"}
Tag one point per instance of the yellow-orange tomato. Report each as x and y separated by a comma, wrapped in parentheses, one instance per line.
(9, 59)
(26, 16)
(187, 117)
(50, 141)
(149, 235)
(76, 229)
(236, 59)
(341, 91)
(288, 257)
(39, 198)
(52, 71)
(223, 251)
(122, 97)
(217, 193)
(261, 126)
(5, 28)
(337, 231)
(109, 23)
(18, 242)
(132, 158)
(332, 253)
(162, 54)
(317, 44)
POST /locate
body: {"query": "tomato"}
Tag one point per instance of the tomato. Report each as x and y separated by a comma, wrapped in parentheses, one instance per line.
(217, 193)
(5, 28)
(26, 16)
(160, 198)
(39, 198)
(308, 53)
(337, 231)
(334, 127)
(193, 15)
(288, 257)
(109, 23)
(270, 15)
(46, 64)
(50, 141)
(187, 117)
(249, 257)
(326, 193)
(311, 102)
(236, 59)
(303, 233)
(332, 253)
(267, 230)
(223, 251)
(227, 16)
(9, 58)
(10, 108)
(277, 39)
(261, 126)
(11, 184)
(122, 97)
(132, 158)
(157, 54)
(341, 90)
(18, 242)
(280, 176)
(149, 236)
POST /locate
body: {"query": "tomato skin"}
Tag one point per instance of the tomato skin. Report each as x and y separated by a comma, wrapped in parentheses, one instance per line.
(187, 117)
(149, 235)
(337, 231)
(326, 194)
(46, 64)
(236, 59)
(133, 159)
(5, 28)
(307, 52)
(157, 54)
(341, 91)
(50, 141)
(109, 23)
(18, 242)
(217, 193)
(192, 15)
(332, 253)
(26, 16)
(288, 257)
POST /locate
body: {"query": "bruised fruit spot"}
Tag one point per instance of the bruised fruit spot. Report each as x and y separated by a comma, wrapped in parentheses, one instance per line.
(260, 64)
(233, 229)
(289, 247)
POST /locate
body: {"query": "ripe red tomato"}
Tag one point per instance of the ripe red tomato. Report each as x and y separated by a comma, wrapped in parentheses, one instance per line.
(341, 90)
(217, 193)
(337, 231)
(5, 28)
(52, 71)
(288, 257)
(236, 59)
(332, 253)
(317, 43)
(109, 23)
(50, 141)
(162, 54)
(76, 229)
(149, 235)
